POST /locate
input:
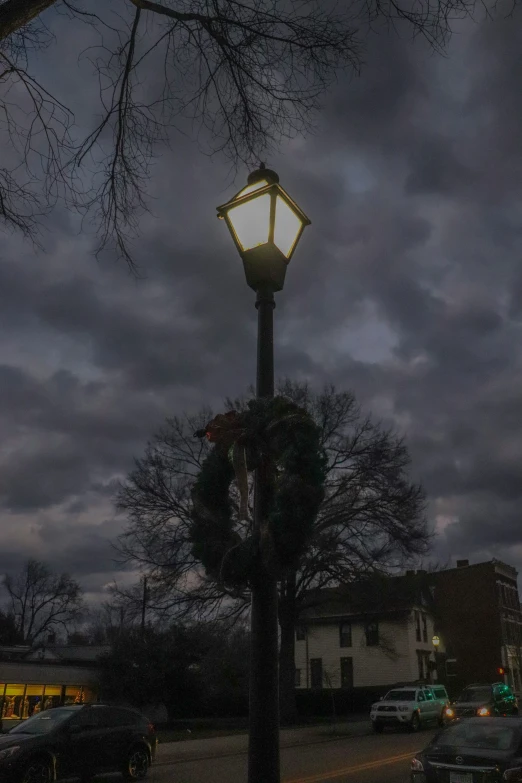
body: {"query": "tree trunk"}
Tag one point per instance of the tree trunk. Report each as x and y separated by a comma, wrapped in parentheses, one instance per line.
(15, 14)
(287, 620)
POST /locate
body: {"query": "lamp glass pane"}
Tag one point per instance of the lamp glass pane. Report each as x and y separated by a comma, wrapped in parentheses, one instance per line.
(251, 221)
(250, 188)
(287, 227)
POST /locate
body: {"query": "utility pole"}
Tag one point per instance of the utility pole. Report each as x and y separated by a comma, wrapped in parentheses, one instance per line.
(144, 607)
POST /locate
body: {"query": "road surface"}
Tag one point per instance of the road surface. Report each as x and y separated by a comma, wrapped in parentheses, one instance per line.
(383, 758)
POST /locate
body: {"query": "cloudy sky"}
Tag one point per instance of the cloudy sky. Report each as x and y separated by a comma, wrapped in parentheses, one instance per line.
(407, 288)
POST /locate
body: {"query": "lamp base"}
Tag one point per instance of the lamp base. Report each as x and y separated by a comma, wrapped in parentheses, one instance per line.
(265, 267)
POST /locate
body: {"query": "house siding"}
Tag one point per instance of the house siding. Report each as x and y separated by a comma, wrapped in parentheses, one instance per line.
(371, 665)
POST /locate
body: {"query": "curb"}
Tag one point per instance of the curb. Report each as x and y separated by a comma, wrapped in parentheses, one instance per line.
(296, 744)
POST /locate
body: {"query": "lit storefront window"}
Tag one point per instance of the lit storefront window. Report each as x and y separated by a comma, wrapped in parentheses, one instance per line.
(20, 701)
(74, 694)
(33, 700)
(52, 697)
(13, 701)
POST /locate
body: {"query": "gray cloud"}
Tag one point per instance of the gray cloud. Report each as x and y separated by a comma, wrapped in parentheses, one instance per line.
(407, 288)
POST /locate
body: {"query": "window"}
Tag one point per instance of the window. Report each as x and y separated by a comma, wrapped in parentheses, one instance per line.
(420, 697)
(316, 672)
(73, 694)
(400, 696)
(297, 681)
(429, 696)
(417, 627)
(372, 634)
(477, 735)
(118, 717)
(300, 633)
(476, 693)
(345, 635)
(424, 629)
(13, 701)
(88, 718)
(44, 722)
(346, 672)
(451, 667)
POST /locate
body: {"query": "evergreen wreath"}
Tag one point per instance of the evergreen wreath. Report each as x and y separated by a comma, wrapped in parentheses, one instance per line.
(284, 434)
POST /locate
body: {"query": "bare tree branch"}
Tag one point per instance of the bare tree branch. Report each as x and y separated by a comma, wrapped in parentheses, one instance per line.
(245, 74)
(41, 601)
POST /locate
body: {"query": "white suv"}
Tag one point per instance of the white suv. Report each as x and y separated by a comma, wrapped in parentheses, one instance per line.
(410, 706)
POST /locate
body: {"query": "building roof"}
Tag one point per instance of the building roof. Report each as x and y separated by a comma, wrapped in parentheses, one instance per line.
(381, 596)
(57, 653)
(79, 653)
(494, 563)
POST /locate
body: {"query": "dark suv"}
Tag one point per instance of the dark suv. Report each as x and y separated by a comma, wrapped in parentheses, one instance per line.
(484, 701)
(78, 741)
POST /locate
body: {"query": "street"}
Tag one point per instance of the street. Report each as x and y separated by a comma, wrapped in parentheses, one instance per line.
(368, 759)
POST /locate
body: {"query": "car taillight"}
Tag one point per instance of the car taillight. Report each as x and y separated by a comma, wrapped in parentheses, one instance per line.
(483, 712)
(416, 765)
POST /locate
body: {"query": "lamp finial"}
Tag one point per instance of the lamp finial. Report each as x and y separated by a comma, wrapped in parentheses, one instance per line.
(263, 173)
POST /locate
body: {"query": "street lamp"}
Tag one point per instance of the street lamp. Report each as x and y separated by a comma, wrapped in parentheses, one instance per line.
(266, 225)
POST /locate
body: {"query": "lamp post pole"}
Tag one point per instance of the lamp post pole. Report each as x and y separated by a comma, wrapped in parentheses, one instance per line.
(436, 641)
(263, 747)
(266, 225)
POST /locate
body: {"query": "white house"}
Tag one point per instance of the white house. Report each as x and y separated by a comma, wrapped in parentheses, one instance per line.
(377, 634)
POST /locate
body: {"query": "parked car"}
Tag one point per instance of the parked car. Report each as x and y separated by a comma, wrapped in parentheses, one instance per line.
(78, 741)
(440, 695)
(472, 750)
(410, 706)
(484, 701)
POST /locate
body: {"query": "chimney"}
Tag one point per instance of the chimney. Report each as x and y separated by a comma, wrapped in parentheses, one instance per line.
(421, 571)
(410, 573)
(462, 563)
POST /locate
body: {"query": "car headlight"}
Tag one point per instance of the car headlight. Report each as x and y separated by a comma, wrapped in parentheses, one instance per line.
(416, 765)
(403, 708)
(483, 712)
(8, 752)
(450, 713)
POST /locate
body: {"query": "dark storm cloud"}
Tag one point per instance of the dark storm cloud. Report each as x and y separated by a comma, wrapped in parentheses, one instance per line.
(413, 185)
(85, 547)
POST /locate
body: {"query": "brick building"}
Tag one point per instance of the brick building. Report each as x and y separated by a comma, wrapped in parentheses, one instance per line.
(351, 637)
(478, 609)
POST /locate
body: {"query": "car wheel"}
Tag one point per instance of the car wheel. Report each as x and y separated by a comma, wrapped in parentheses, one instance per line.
(441, 720)
(378, 728)
(38, 771)
(137, 764)
(415, 722)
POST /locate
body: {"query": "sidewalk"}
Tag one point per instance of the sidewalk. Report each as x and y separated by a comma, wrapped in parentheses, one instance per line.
(235, 744)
